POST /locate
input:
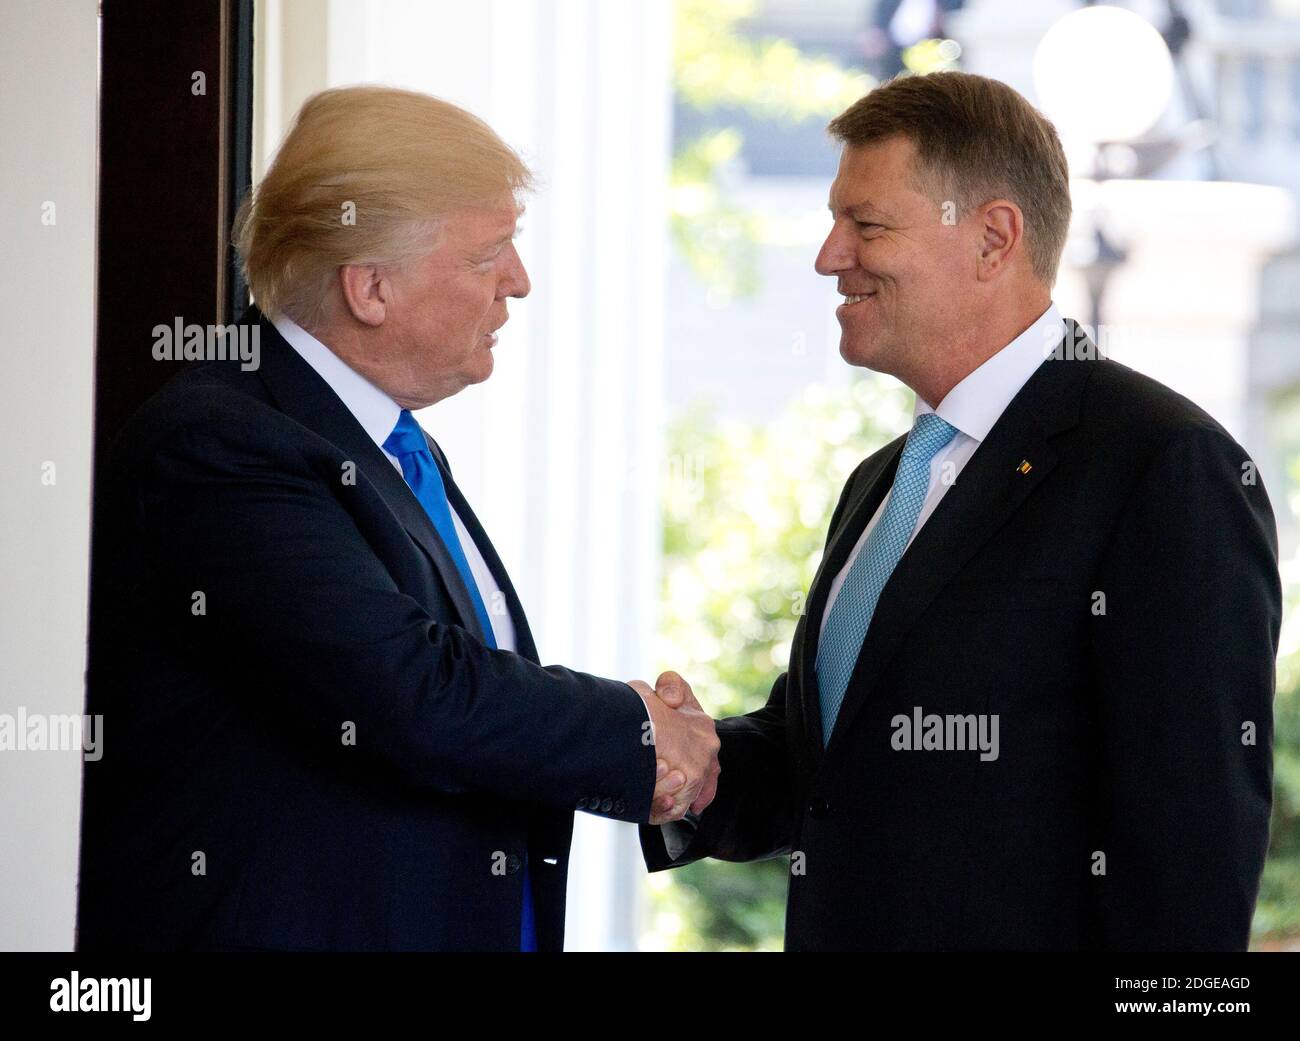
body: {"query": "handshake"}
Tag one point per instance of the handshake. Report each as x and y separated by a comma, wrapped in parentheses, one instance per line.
(686, 749)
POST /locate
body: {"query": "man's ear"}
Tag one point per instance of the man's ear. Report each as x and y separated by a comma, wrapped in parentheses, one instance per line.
(365, 292)
(1002, 237)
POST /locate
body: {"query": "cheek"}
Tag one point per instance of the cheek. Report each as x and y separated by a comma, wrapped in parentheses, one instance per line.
(466, 317)
(478, 308)
(894, 264)
(927, 273)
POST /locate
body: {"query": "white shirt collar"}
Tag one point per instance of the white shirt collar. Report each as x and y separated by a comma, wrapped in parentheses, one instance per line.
(373, 409)
(975, 404)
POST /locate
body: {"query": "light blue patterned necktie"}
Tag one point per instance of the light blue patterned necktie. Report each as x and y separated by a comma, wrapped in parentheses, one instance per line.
(846, 625)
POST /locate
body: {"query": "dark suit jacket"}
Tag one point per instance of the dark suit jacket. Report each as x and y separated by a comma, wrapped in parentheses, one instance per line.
(330, 609)
(1124, 735)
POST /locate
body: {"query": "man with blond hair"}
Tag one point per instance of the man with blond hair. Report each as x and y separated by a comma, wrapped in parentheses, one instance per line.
(331, 727)
(1028, 705)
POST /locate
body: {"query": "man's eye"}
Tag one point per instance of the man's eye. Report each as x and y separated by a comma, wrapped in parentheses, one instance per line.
(864, 224)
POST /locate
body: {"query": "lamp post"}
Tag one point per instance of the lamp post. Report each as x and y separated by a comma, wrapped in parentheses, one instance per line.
(1103, 117)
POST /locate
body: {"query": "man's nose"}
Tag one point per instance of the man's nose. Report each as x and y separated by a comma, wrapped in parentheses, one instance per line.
(516, 282)
(836, 254)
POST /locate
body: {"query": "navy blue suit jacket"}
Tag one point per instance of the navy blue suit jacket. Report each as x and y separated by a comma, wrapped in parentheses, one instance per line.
(307, 743)
(1102, 579)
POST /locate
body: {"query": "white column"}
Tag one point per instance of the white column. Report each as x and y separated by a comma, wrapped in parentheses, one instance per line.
(48, 111)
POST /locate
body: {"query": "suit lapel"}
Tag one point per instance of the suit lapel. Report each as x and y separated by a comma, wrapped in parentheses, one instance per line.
(872, 486)
(989, 490)
(304, 396)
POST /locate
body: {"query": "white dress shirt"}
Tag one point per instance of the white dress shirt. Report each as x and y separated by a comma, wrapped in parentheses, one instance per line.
(378, 414)
(973, 406)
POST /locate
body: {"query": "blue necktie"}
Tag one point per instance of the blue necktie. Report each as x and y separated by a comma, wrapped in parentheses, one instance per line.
(850, 615)
(408, 443)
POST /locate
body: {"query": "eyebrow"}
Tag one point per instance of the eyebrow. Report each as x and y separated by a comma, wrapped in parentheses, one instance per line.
(865, 206)
(501, 240)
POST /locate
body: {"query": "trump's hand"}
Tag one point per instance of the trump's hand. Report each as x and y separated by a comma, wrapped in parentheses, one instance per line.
(686, 743)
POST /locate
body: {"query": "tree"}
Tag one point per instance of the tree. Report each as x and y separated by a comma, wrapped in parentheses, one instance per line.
(716, 69)
(745, 511)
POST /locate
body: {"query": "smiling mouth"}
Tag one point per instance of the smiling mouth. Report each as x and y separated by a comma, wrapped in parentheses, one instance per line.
(851, 301)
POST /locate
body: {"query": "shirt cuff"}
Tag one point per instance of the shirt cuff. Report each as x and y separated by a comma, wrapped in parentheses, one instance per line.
(678, 835)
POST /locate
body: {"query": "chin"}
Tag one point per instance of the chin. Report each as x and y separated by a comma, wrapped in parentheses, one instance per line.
(863, 355)
(876, 345)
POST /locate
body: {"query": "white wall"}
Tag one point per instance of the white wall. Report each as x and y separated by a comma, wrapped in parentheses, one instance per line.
(48, 51)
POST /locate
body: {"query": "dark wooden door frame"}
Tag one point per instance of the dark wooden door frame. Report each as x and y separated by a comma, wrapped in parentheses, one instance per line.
(175, 148)
(173, 165)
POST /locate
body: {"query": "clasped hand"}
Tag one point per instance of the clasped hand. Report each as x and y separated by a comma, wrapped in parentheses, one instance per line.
(686, 749)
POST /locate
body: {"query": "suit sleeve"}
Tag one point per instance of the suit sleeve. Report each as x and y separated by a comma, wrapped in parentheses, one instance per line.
(1184, 673)
(753, 815)
(294, 594)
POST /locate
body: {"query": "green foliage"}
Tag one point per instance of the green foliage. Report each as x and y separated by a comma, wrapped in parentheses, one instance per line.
(717, 68)
(931, 55)
(745, 514)
(717, 237)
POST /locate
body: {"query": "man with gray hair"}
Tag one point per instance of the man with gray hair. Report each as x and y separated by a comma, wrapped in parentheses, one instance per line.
(1061, 551)
(332, 730)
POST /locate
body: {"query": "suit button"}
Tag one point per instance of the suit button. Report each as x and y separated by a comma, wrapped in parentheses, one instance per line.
(620, 806)
(513, 864)
(582, 804)
(606, 805)
(818, 808)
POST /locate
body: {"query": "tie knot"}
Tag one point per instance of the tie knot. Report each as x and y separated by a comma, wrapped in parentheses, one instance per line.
(929, 433)
(407, 437)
